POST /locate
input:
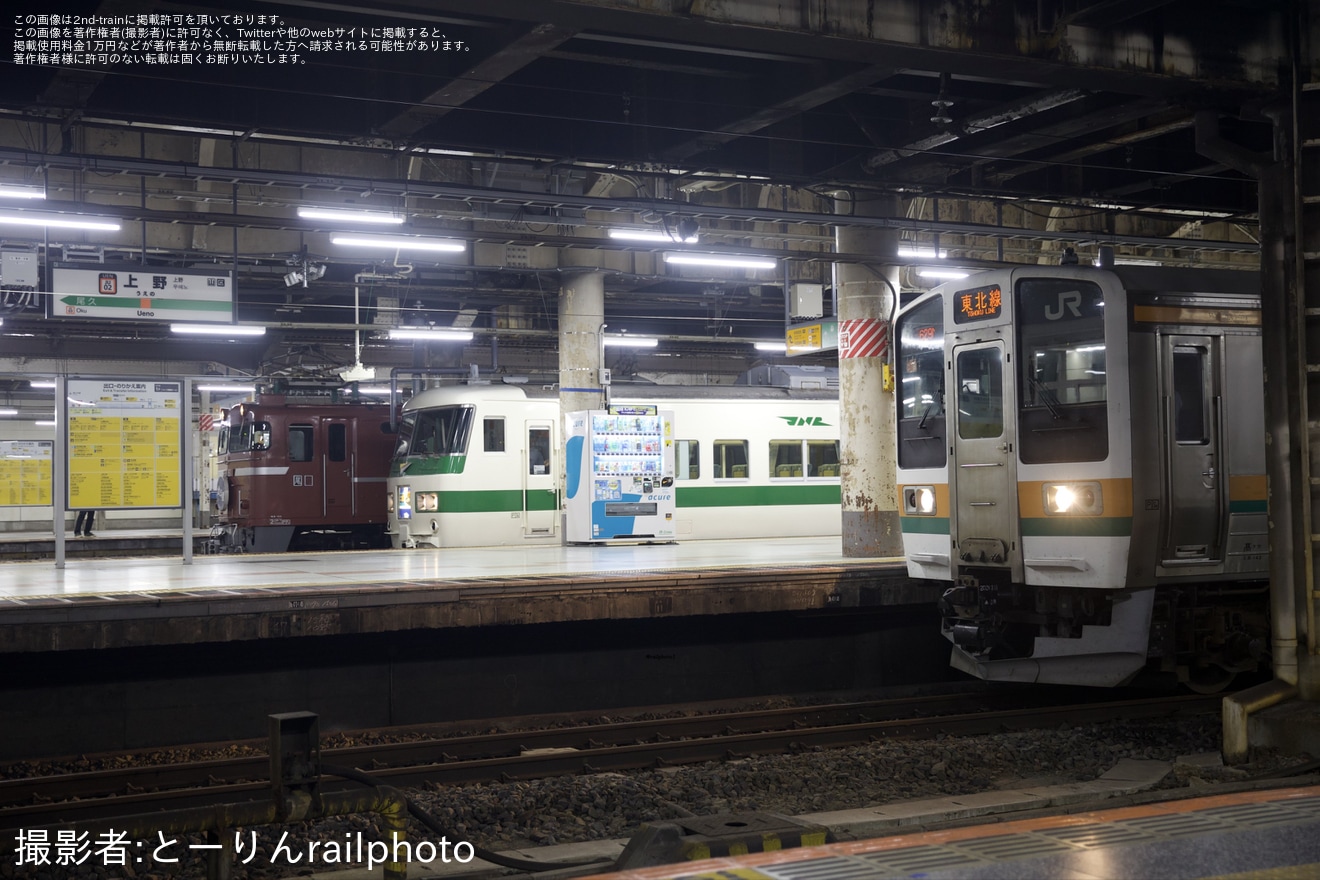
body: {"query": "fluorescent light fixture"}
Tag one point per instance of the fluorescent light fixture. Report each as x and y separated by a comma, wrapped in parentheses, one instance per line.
(650, 235)
(732, 261)
(350, 215)
(941, 273)
(226, 389)
(45, 423)
(1134, 261)
(41, 383)
(439, 334)
(771, 346)
(374, 390)
(8, 411)
(20, 192)
(400, 242)
(218, 329)
(921, 253)
(631, 341)
(60, 222)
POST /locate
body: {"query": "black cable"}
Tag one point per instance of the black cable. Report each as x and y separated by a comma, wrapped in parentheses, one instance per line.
(516, 864)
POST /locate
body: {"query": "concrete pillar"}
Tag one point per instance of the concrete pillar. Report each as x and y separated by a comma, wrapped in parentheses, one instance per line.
(581, 314)
(867, 297)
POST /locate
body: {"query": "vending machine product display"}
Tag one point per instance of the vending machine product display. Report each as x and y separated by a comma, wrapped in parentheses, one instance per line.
(619, 475)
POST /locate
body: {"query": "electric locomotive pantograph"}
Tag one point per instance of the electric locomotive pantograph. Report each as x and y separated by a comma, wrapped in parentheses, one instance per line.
(1081, 457)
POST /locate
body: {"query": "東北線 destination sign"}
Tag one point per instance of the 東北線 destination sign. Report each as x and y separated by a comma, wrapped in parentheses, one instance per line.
(141, 293)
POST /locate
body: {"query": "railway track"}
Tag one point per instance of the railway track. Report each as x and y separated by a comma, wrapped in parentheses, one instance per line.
(528, 754)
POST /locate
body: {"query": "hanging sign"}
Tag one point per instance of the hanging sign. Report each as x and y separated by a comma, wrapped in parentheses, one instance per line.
(141, 293)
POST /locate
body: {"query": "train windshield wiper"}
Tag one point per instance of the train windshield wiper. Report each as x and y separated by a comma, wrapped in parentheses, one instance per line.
(921, 425)
(1045, 396)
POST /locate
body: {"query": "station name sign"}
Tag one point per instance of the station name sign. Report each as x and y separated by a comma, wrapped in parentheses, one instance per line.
(140, 293)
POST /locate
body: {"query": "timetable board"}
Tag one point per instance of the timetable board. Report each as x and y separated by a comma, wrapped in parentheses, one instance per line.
(25, 472)
(125, 443)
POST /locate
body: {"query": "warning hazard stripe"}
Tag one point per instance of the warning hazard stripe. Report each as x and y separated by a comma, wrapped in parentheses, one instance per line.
(863, 337)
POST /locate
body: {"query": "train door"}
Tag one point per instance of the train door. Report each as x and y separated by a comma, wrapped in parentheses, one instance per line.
(337, 471)
(985, 486)
(1194, 514)
(540, 495)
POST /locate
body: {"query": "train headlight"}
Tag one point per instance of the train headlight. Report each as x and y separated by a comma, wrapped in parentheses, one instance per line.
(389, 502)
(428, 501)
(919, 500)
(1073, 499)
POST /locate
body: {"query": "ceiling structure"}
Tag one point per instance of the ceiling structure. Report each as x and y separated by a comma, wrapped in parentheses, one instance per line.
(988, 130)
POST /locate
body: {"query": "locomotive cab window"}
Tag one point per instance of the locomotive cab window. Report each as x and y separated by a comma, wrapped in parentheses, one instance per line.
(1062, 375)
(261, 435)
(300, 443)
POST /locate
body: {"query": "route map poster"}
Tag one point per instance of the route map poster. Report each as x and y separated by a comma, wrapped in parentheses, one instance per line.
(25, 474)
(125, 443)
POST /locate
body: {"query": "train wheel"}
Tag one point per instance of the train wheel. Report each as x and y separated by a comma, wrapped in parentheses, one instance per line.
(1209, 679)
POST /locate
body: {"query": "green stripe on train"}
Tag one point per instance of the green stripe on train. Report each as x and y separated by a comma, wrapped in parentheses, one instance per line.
(924, 525)
(757, 496)
(497, 501)
(1076, 526)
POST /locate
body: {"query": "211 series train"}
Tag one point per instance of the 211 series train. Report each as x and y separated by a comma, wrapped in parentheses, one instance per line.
(474, 465)
(302, 475)
(1081, 458)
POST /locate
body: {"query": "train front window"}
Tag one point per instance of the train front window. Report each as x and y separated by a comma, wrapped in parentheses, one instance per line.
(980, 393)
(442, 431)
(1063, 380)
(920, 334)
(261, 435)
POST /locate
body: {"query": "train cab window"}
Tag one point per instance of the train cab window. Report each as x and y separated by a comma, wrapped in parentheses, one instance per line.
(338, 442)
(260, 436)
(920, 334)
(441, 431)
(730, 459)
(1062, 381)
(687, 460)
(1189, 398)
(785, 458)
(222, 440)
(300, 443)
(492, 435)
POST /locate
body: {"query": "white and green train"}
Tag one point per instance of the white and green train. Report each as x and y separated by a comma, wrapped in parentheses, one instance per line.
(480, 465)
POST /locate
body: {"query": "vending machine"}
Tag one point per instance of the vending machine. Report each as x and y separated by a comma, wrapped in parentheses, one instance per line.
(619, 475)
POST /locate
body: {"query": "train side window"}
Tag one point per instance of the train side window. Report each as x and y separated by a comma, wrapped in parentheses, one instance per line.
(822, 458)
(261, 436)
(1189, 396)
(785, 458)
(687, 452)
(730, 459)
(300, 443)
(921, 419)
(492, 435)
(222, 442)
(338, 442)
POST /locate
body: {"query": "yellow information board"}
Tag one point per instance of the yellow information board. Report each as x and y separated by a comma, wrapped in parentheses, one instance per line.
(25, 475)
(125, 444)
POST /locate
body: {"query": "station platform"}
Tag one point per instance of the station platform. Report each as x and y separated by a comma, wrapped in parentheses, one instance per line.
(113, 603)
(1267, 834)
(23, 546)
(1115, 826)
